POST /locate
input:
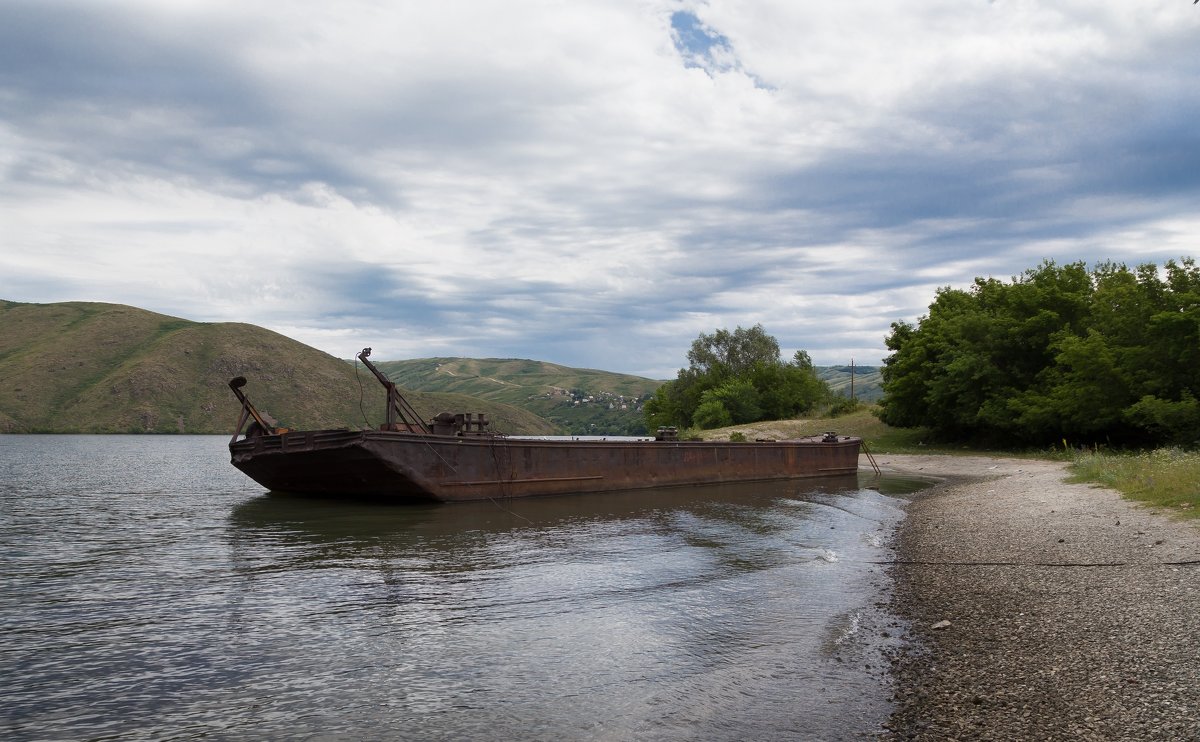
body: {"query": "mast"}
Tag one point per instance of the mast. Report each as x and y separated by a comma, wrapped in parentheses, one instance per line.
(397, 405)
(263, 424)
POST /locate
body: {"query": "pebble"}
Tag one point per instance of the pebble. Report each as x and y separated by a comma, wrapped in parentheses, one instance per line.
(1102, 649)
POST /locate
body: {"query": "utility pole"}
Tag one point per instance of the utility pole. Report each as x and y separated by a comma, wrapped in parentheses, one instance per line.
(851, 378)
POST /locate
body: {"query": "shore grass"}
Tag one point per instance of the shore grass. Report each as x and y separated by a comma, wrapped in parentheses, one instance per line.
(1166, 478)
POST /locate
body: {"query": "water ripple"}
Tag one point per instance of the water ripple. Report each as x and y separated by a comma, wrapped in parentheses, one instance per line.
(149, 591)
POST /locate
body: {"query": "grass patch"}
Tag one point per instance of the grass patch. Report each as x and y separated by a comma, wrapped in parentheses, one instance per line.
(862, 423)
(1165, 478)
(882, 438)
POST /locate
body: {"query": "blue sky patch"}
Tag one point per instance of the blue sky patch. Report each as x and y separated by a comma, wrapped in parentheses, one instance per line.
(697, 43)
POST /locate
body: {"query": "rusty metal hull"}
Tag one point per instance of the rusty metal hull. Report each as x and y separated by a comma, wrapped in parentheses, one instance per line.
(418, 467)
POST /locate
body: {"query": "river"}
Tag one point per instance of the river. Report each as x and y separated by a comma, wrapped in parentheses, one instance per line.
(151, 591)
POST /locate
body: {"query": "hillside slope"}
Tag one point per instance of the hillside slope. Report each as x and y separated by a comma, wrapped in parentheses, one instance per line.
(511, 380)
(81, 367)
(583, 401)
(868, 381)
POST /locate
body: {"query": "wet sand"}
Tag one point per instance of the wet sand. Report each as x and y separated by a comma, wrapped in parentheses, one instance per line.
(1041, 610)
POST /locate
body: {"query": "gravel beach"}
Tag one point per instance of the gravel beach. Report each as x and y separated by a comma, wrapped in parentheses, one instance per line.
(1041, 610)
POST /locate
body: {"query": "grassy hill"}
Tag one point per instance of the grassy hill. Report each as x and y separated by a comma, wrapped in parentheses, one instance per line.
(868, 382)
(78, 367)
(583, 401)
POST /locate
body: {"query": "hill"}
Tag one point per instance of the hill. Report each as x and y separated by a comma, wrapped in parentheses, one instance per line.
(78, 367)
(583, 401)
(868, 381)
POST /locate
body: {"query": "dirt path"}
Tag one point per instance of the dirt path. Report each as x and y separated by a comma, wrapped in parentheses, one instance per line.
(1073, 614)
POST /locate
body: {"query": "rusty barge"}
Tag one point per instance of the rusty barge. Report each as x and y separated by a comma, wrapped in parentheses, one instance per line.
(456, 457)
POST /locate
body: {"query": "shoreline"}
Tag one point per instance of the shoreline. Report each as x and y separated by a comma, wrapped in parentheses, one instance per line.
(1072, 613)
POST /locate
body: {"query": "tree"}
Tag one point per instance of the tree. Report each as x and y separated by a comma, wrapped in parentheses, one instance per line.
(1058, 352)
(787, 389)
(712, 414)
(736, 377)
(726, 354)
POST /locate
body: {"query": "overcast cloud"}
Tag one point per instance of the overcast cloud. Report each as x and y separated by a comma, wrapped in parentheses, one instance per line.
(592, 183)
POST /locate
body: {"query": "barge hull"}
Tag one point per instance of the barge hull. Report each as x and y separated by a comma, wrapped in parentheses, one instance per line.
(414, 467)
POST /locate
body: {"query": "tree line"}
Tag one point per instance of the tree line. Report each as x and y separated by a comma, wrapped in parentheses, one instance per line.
(1110, 354)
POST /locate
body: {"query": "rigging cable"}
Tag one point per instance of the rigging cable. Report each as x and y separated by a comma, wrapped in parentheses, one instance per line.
(360, 395)
(500, 480)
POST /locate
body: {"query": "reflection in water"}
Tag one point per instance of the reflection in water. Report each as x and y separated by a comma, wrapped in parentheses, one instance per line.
(336, 518)
(704, 611)
(161, 601)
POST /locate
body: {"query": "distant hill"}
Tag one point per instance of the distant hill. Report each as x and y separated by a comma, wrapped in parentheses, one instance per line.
(79, 367)
(868, 382)
(583, 401)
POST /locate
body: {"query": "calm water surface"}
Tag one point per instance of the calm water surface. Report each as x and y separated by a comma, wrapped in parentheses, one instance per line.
(151, 591)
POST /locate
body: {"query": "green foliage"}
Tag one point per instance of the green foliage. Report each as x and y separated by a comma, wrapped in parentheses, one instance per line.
(786, 390)
(739, 397)
(712, 414)
(839, 406)
(1110, 354)
(726, 354)
(736, 377)
(1173, 422)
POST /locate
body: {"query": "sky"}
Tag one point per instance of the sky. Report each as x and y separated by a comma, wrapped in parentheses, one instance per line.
(592, 183)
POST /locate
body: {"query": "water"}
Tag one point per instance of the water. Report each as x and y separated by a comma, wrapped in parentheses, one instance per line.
(151, 591)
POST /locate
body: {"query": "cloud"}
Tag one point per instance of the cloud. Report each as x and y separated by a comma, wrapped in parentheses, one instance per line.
(594, 183)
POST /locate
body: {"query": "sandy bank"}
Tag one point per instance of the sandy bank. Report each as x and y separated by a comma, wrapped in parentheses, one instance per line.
(1073, 614)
